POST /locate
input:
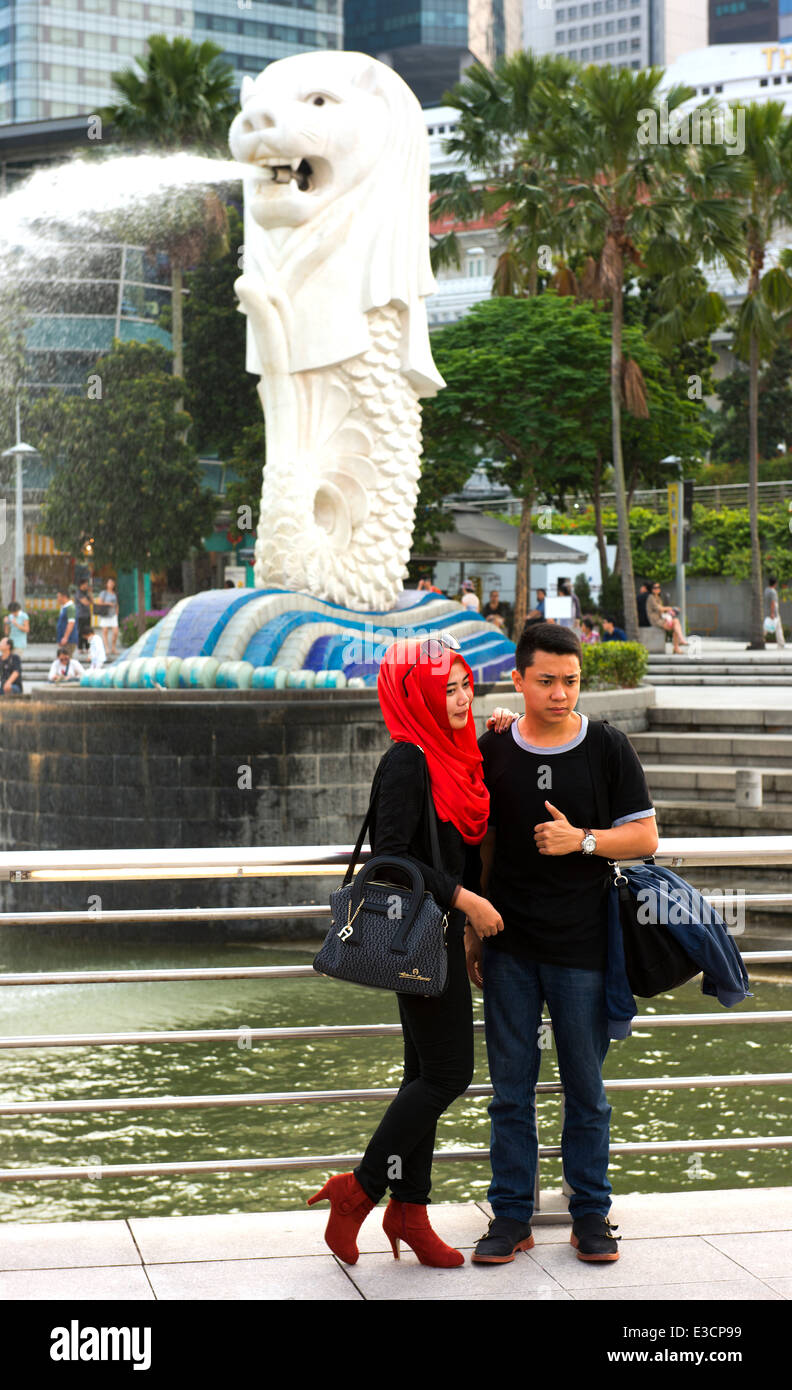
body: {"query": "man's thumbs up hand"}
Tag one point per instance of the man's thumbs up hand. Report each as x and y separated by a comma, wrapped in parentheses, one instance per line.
(557, 836)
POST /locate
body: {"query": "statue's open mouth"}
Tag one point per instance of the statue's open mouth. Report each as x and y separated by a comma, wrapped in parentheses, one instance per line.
(283, 172)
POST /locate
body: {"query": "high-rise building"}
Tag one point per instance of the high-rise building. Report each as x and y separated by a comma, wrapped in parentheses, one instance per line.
(624, 33)
(746, 21)
(57, 56)
(431, 44)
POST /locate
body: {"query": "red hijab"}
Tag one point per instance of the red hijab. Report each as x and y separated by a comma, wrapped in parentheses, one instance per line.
(412, 694)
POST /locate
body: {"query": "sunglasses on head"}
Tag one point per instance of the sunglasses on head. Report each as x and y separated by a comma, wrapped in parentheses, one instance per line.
(433, 648)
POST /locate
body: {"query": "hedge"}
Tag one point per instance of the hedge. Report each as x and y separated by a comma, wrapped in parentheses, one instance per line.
(613, 664)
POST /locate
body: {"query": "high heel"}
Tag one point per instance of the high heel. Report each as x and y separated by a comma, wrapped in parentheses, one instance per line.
(409, 1222)
(349, 1207)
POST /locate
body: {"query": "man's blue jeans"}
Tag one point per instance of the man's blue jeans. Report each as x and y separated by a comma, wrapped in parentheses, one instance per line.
(514, 991)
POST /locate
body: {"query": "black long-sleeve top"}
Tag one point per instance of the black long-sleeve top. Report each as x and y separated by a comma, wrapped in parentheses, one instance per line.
(399, 825)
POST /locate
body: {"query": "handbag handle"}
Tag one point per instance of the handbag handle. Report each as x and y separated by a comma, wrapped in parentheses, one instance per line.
(399, 942)
(434, 842)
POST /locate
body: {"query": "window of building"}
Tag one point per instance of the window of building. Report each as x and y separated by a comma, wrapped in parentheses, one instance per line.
(610, 49)
(622, 45)
(571, 11)
(572, 54)
(776, 81)
(610, 26)
(636, 63)
(560, 15)
(560, 36)
(596, 30)
(585, 54)
(705, 91)
(585, 31)
(596, 52)
(585, 11)
(596, 8)
(621, 25)
(572, 36)
(762, 81)
(634, 44)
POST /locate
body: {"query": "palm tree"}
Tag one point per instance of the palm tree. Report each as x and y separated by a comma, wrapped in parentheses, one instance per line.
(765, 314)
(583, 178)
(184, 97)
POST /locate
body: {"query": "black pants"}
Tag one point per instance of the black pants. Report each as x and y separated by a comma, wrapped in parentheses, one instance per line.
(438, 1067)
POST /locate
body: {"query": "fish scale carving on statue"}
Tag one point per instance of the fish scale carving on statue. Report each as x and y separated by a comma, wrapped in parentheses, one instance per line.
(335, 273)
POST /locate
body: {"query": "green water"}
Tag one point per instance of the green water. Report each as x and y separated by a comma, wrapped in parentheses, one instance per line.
(214, 1068)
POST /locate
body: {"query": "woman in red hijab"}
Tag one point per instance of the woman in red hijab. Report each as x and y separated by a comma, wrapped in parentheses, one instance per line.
(425, 691)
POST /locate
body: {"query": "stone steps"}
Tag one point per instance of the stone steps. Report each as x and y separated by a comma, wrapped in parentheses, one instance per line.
(691, 781)
(681, 817)
(727, 749)
(652, 678)
(768, 720)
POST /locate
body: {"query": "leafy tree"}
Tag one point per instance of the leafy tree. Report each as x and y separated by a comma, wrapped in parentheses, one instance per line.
(221, 396)
(522, 390)
(774, 414)
(246, 461)
(123, 477)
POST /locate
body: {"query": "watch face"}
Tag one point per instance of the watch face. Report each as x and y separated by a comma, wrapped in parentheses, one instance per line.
(589, 844)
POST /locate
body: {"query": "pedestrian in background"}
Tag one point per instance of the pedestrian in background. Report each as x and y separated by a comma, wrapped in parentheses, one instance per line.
(66, 628)
(773, 611)
(108, 621)
(17, 626)
(10, 669)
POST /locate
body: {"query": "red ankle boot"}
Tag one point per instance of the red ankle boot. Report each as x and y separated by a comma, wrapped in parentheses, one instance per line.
(349, 1208)
(409, 1222)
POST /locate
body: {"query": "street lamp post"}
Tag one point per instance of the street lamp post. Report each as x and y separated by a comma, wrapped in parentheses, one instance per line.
(19, 451)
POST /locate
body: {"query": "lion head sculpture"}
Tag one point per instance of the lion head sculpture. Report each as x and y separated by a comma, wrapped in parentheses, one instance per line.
(336, 209)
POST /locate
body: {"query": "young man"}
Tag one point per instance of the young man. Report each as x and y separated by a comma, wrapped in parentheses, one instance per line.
(612, 633)
(65, 668)
(10, 669)
(66, 629)
(546, 871)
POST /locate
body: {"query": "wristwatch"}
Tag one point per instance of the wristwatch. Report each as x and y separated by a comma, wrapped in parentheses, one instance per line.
(589, 842)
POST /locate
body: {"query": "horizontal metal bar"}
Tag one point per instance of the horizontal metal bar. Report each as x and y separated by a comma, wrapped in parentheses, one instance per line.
(97, 1172)
(345, 1030)
(166, 914)
(320, 860)
(250, 972)
(249, 914)
(104, 977)
(381, 1093)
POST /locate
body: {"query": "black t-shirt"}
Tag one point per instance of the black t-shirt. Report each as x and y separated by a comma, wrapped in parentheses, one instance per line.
(554, 906)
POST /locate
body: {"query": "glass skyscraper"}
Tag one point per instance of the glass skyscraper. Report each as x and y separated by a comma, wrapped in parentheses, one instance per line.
(430, 42)
(56, 56)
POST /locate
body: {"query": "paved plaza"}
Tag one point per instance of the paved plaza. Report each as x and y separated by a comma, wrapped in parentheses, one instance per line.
(727, 1246)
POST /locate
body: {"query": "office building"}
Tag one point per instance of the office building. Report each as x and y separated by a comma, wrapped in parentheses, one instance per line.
(431, 44)
(57, 56)
(625, 33)
(745, 21)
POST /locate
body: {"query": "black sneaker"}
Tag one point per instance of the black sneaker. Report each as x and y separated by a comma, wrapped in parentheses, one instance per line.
(593, 1238)
(502, 1241)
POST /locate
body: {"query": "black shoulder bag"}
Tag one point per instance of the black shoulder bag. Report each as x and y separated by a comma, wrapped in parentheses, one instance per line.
(655, 960)
(386, 934)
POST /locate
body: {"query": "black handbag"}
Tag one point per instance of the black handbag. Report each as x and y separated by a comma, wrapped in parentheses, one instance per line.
(386, 934)
(655, 961)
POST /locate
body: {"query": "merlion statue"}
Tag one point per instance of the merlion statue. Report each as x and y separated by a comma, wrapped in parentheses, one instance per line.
(336, 271)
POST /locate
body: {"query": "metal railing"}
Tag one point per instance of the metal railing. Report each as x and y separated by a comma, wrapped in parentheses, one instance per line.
(324, 861)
